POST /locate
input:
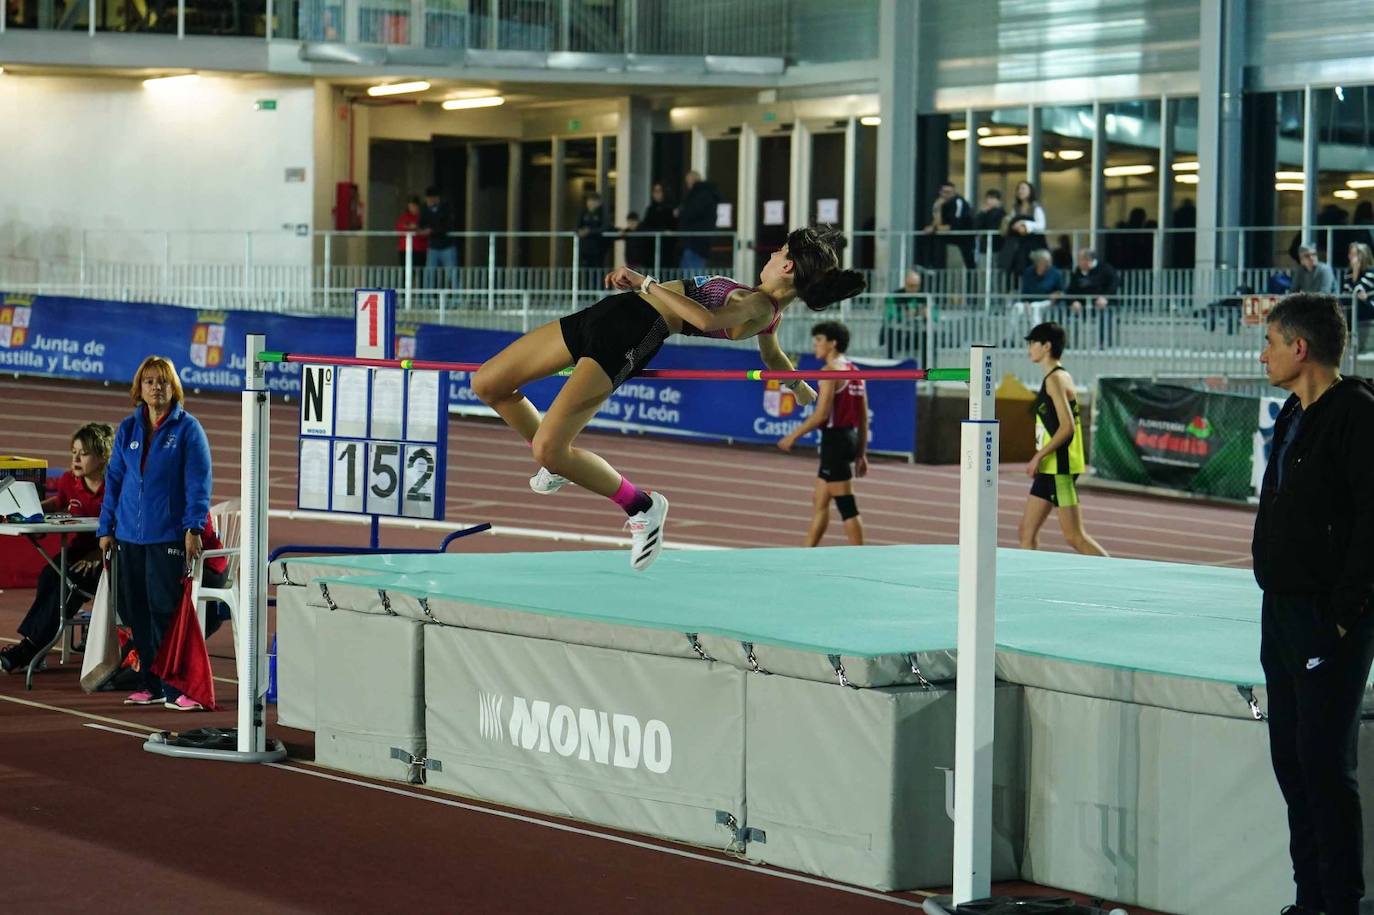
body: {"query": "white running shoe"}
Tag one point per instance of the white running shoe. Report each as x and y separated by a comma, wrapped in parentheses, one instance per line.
(646, 532)
(546, 483)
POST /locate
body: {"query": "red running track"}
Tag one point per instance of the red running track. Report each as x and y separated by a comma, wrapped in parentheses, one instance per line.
(95, 822)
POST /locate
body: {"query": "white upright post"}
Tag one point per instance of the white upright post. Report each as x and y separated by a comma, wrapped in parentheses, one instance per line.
(977, 607)
(253, 547)
(249, 741)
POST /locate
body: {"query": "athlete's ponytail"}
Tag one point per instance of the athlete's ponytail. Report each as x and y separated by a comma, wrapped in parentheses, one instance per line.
(816, 274)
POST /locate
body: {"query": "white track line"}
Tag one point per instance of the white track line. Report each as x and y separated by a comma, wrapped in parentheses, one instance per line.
(298, 769)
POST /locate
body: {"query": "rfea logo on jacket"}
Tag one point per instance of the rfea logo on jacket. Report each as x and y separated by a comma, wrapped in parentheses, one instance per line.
(207, 339)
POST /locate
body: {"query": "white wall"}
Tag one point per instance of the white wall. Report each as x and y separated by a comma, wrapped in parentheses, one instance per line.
(127, 163)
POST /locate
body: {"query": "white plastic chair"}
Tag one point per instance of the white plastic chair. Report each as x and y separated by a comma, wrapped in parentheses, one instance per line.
(225, 516)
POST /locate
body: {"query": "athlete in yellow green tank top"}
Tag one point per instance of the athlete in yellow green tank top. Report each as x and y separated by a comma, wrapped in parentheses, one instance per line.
(1058, 458)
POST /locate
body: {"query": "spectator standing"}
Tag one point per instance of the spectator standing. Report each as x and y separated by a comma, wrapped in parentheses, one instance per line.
(1358, 288)
(697, 214)
(988, 223)
(591, 232)
(1314, 532)
(409, 221)
(436, 222)
(658, 218)
(950, 212)
(157, 497)
(1025, 230)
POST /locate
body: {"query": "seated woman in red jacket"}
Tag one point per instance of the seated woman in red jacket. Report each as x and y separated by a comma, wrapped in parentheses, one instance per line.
(79, 493)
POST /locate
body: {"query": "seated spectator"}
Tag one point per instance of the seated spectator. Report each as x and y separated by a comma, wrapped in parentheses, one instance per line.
(904, 320)
(80, 492)
(1311, 275)
(1041, 285)
(1091, 285)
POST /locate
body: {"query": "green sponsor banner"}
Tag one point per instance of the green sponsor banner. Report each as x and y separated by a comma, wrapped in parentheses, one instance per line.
(1174, 437)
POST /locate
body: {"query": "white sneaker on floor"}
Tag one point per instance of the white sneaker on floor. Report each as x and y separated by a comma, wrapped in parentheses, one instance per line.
(646, 532)
(546, 483)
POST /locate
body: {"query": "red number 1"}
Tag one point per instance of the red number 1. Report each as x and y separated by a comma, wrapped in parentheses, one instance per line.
(370, 304)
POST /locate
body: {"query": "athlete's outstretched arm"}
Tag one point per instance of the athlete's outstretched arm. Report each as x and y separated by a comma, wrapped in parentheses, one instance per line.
(773, 357)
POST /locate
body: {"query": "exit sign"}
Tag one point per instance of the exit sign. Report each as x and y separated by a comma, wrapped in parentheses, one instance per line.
(265, 104)
(574, 124)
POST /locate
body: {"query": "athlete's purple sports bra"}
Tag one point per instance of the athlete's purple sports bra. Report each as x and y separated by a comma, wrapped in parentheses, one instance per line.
(711, 292)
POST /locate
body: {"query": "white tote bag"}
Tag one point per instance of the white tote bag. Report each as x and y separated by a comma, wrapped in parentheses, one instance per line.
(102, 642)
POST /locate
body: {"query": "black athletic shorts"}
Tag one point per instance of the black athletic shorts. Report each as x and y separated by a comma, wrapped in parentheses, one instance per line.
(839, 447)
(1058, 489)
(622, 333)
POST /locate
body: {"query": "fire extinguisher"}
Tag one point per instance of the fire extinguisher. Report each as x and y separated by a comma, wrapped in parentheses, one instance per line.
(348, 207)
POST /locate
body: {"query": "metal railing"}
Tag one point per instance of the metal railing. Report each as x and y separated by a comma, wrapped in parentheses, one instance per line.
(654, 27)
(1171, 320)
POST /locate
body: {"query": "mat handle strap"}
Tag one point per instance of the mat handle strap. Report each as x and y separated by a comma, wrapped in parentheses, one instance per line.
(1248, 694)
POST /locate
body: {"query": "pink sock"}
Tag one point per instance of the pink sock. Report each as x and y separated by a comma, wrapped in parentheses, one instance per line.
(631, 498)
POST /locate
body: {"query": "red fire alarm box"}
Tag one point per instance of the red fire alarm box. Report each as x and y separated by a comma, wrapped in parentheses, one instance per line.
(348, 208)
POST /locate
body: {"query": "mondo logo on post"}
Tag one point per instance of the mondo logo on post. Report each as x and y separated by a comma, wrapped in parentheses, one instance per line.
(603, 738)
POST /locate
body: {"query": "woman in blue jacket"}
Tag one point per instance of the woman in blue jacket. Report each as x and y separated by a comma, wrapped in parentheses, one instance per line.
(157, 496)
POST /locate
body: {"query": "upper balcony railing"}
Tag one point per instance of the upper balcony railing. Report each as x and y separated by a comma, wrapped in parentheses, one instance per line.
(758, 28)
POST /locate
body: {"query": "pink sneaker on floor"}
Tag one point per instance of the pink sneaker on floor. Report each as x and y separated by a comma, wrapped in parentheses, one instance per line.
(184, 704)
(142, 697)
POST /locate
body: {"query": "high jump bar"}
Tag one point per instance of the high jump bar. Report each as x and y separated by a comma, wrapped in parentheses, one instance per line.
(669, 374)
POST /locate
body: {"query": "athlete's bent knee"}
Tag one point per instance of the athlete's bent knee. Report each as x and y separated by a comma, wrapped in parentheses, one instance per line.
(848, 509)
(486, 384)
(548, 453)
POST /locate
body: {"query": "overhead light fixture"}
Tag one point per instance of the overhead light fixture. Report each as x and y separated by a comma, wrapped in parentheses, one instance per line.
(1360, 182)
(984, 131)
(1346, 193)
(1289, 176)
(957, 134)
(1070, 155)
(1186, 179)
(167, 82)
(1340, 93)
(1287, 186)
(486, 101)
(870, 120)
(418, 85)
(1050, 154)
(1186, 166)
(1124, 171)
(1005, 139)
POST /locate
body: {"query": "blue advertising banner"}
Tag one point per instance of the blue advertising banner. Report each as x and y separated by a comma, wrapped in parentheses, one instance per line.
(748, 411)
(106, 341)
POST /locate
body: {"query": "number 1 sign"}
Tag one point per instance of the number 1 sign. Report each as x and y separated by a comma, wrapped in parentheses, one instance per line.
(374, 312)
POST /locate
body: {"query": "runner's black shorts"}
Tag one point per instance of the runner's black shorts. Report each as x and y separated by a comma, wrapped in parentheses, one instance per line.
(1058, 489)
(622, 333)
(839, 447)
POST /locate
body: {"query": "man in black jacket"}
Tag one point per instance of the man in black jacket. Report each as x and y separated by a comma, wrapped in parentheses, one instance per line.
(1313, 554)
(697, 214)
